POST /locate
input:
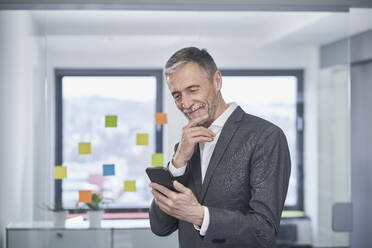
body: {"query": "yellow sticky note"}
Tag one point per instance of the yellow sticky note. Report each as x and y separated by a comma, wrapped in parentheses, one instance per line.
(158, 159)
(85, 148)
(60, 172)
(85, 196)
(161, 118)
(111, 121)
(142, 139)
(129, 186)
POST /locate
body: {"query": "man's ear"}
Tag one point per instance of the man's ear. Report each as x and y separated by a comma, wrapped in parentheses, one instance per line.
(217, 80)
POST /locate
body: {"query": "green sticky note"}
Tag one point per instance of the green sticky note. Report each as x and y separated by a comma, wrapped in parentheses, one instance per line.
(158, 159)
(85, 148)
(129, 186)
(142, 139)
(60, 172)
(111, 121)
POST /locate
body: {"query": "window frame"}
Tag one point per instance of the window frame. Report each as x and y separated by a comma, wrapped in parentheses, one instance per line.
(158, 74)
(300, 124)
(59, 74)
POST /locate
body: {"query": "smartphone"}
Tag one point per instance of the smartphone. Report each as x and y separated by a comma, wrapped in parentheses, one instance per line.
(161, 175)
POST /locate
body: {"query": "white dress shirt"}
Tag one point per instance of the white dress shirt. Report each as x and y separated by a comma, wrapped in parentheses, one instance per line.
(206, 151)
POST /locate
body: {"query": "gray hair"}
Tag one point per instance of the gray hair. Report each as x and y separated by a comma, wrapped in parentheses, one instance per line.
(191, 54)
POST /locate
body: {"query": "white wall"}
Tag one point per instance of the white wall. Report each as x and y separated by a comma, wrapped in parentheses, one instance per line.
(21, 69)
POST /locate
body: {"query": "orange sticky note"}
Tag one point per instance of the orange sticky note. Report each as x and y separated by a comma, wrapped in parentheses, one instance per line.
(60, 172)
(85, 148)
(129, 186)
(161, 118)
(85, 196)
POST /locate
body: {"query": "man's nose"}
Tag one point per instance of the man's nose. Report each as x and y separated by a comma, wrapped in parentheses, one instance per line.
(186, 102)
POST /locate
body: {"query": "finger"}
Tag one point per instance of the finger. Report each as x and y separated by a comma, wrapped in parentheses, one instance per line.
(202, 129)
(170, 211)
(199, 133)
(179, 187)
(201, 139)
(175, 213)
(196, 121)
(167, 192)
(163, 207)
(161, 198)
(155, 185)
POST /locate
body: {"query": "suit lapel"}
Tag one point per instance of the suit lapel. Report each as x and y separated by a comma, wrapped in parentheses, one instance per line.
(226, 135)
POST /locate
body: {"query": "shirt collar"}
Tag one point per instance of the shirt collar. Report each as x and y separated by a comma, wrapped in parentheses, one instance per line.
(221, 120)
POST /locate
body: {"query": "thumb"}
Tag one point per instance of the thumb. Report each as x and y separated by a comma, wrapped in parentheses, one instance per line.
(179, 187)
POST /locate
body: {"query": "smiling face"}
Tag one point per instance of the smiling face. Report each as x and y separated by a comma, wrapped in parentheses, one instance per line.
(193, 92)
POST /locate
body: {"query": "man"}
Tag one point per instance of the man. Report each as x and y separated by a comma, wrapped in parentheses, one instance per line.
(231, 168)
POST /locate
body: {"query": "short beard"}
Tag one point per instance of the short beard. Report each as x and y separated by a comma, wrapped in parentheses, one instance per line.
(211, 112)
(202, 123)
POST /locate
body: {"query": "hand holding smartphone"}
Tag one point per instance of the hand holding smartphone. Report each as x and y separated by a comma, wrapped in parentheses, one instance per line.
(161, 176)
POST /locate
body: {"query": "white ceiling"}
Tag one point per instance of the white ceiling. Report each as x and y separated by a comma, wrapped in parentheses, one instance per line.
(303, 28)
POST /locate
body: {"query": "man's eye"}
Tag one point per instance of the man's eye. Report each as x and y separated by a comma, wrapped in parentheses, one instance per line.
(193, 90)
(176, 97)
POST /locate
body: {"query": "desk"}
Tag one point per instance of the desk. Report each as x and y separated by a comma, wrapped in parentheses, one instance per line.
(112, 234)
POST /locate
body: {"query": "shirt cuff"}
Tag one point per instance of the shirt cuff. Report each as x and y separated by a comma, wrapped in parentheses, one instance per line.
(176, 172)
(204, 227)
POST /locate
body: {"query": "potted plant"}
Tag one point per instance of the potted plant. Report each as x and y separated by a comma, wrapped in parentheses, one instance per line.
(95, 211)
(59, 214)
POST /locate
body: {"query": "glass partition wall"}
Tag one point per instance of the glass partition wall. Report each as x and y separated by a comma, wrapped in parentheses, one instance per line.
(360, 91)
(93, 130)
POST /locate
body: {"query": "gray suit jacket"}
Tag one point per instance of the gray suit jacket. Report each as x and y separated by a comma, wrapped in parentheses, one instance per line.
(244, 187)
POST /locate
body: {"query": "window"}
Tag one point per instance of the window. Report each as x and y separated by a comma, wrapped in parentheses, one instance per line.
(277, 97)
(84, 99)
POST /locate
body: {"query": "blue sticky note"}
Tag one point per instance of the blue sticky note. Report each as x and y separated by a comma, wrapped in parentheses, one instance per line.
(109, 170)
